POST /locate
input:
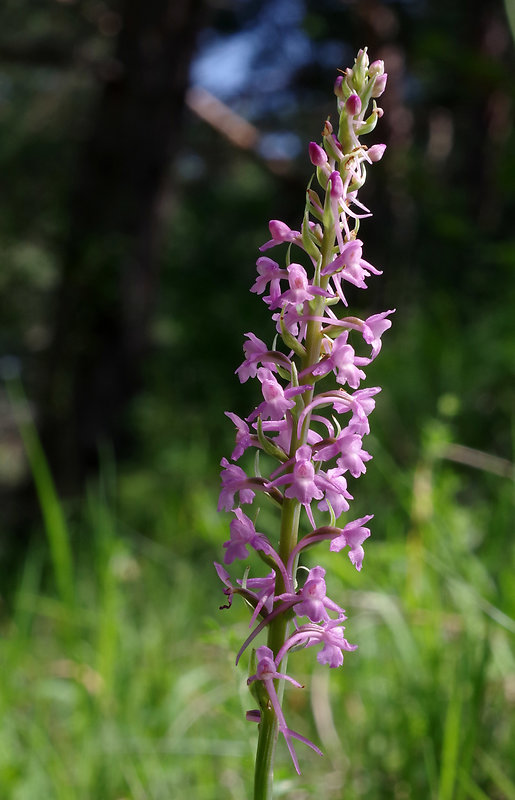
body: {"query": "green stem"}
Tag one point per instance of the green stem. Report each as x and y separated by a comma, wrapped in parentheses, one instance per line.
(278, 629)
(277, 633)
(264, 773)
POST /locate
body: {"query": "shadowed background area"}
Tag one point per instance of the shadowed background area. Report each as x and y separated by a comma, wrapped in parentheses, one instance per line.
(143, 149)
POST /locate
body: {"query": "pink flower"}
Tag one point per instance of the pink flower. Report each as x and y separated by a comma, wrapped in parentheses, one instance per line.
(300, 288)
(341, 360)
(302, 480)
(317, 155)
(276, 403)
(352, 456)
(269, 273)
(334, 643)
(265, 593)
(353, 105)
(380, 85)
(254, 349)
(374, 328)
(243, 437)
(234, 480)
(295, 424)
(329, 634)
(280, 233)
(243, 533)
(276, 399)
(353, 536)
(311, 601)
(334, 487)
(314, 600)
(267, 672)
(347, 447)
(350, 266)
(376, 152)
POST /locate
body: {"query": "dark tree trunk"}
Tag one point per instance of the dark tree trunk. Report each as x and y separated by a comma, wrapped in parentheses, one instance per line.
(109, 279)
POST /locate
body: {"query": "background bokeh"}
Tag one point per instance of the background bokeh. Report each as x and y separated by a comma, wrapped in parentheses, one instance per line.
(143, 149)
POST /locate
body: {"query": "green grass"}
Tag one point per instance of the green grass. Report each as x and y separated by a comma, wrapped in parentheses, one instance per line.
(118, 677)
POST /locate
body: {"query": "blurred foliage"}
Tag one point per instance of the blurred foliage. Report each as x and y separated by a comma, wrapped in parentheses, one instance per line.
(443, 200)
(129, 688)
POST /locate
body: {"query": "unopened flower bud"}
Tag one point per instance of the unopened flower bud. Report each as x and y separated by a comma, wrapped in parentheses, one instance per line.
(362, 59)
(359, 71)
(328, 128)
(376, 152)
(353, 105)
(379, 85)
(338, 87)
(336, 185)
(317, 155)
(376, 68)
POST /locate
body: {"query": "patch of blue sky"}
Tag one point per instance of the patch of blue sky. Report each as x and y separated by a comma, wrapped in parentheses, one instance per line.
(260, 58)
(279, 146)
(223, 66)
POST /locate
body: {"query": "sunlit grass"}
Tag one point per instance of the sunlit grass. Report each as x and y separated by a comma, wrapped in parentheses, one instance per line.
(126, 687)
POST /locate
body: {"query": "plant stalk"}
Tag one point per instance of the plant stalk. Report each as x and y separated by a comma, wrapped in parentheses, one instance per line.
(278, 629)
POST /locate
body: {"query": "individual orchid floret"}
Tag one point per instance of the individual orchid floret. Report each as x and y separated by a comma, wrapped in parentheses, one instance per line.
(342, 360)
(338, 87)
(313, 599)
(226, 580)
(353, 536)
(379, 85)
(269, 273)
(374, 328)
(300, 288)
(303, 487)
(375, 153)
(352, 456)
(254, 350)
(280, 233)
(291, 320)
(276, 399)
(267, 672)
(317, 155)
(376, 68)
(353, 105)
(234, 480)
(281, 427)
(264, 589)
(362, 405)
(243, 534)
(243, 435)
(350, 266)
(347, 448)
(302, 481)
(261, 601)
(335, 491)
(329, 634)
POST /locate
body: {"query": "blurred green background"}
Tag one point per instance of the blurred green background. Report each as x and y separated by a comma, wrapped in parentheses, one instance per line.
(143, 149)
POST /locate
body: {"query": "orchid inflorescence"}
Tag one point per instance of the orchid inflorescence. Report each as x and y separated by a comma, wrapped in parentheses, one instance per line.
(295, 424)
